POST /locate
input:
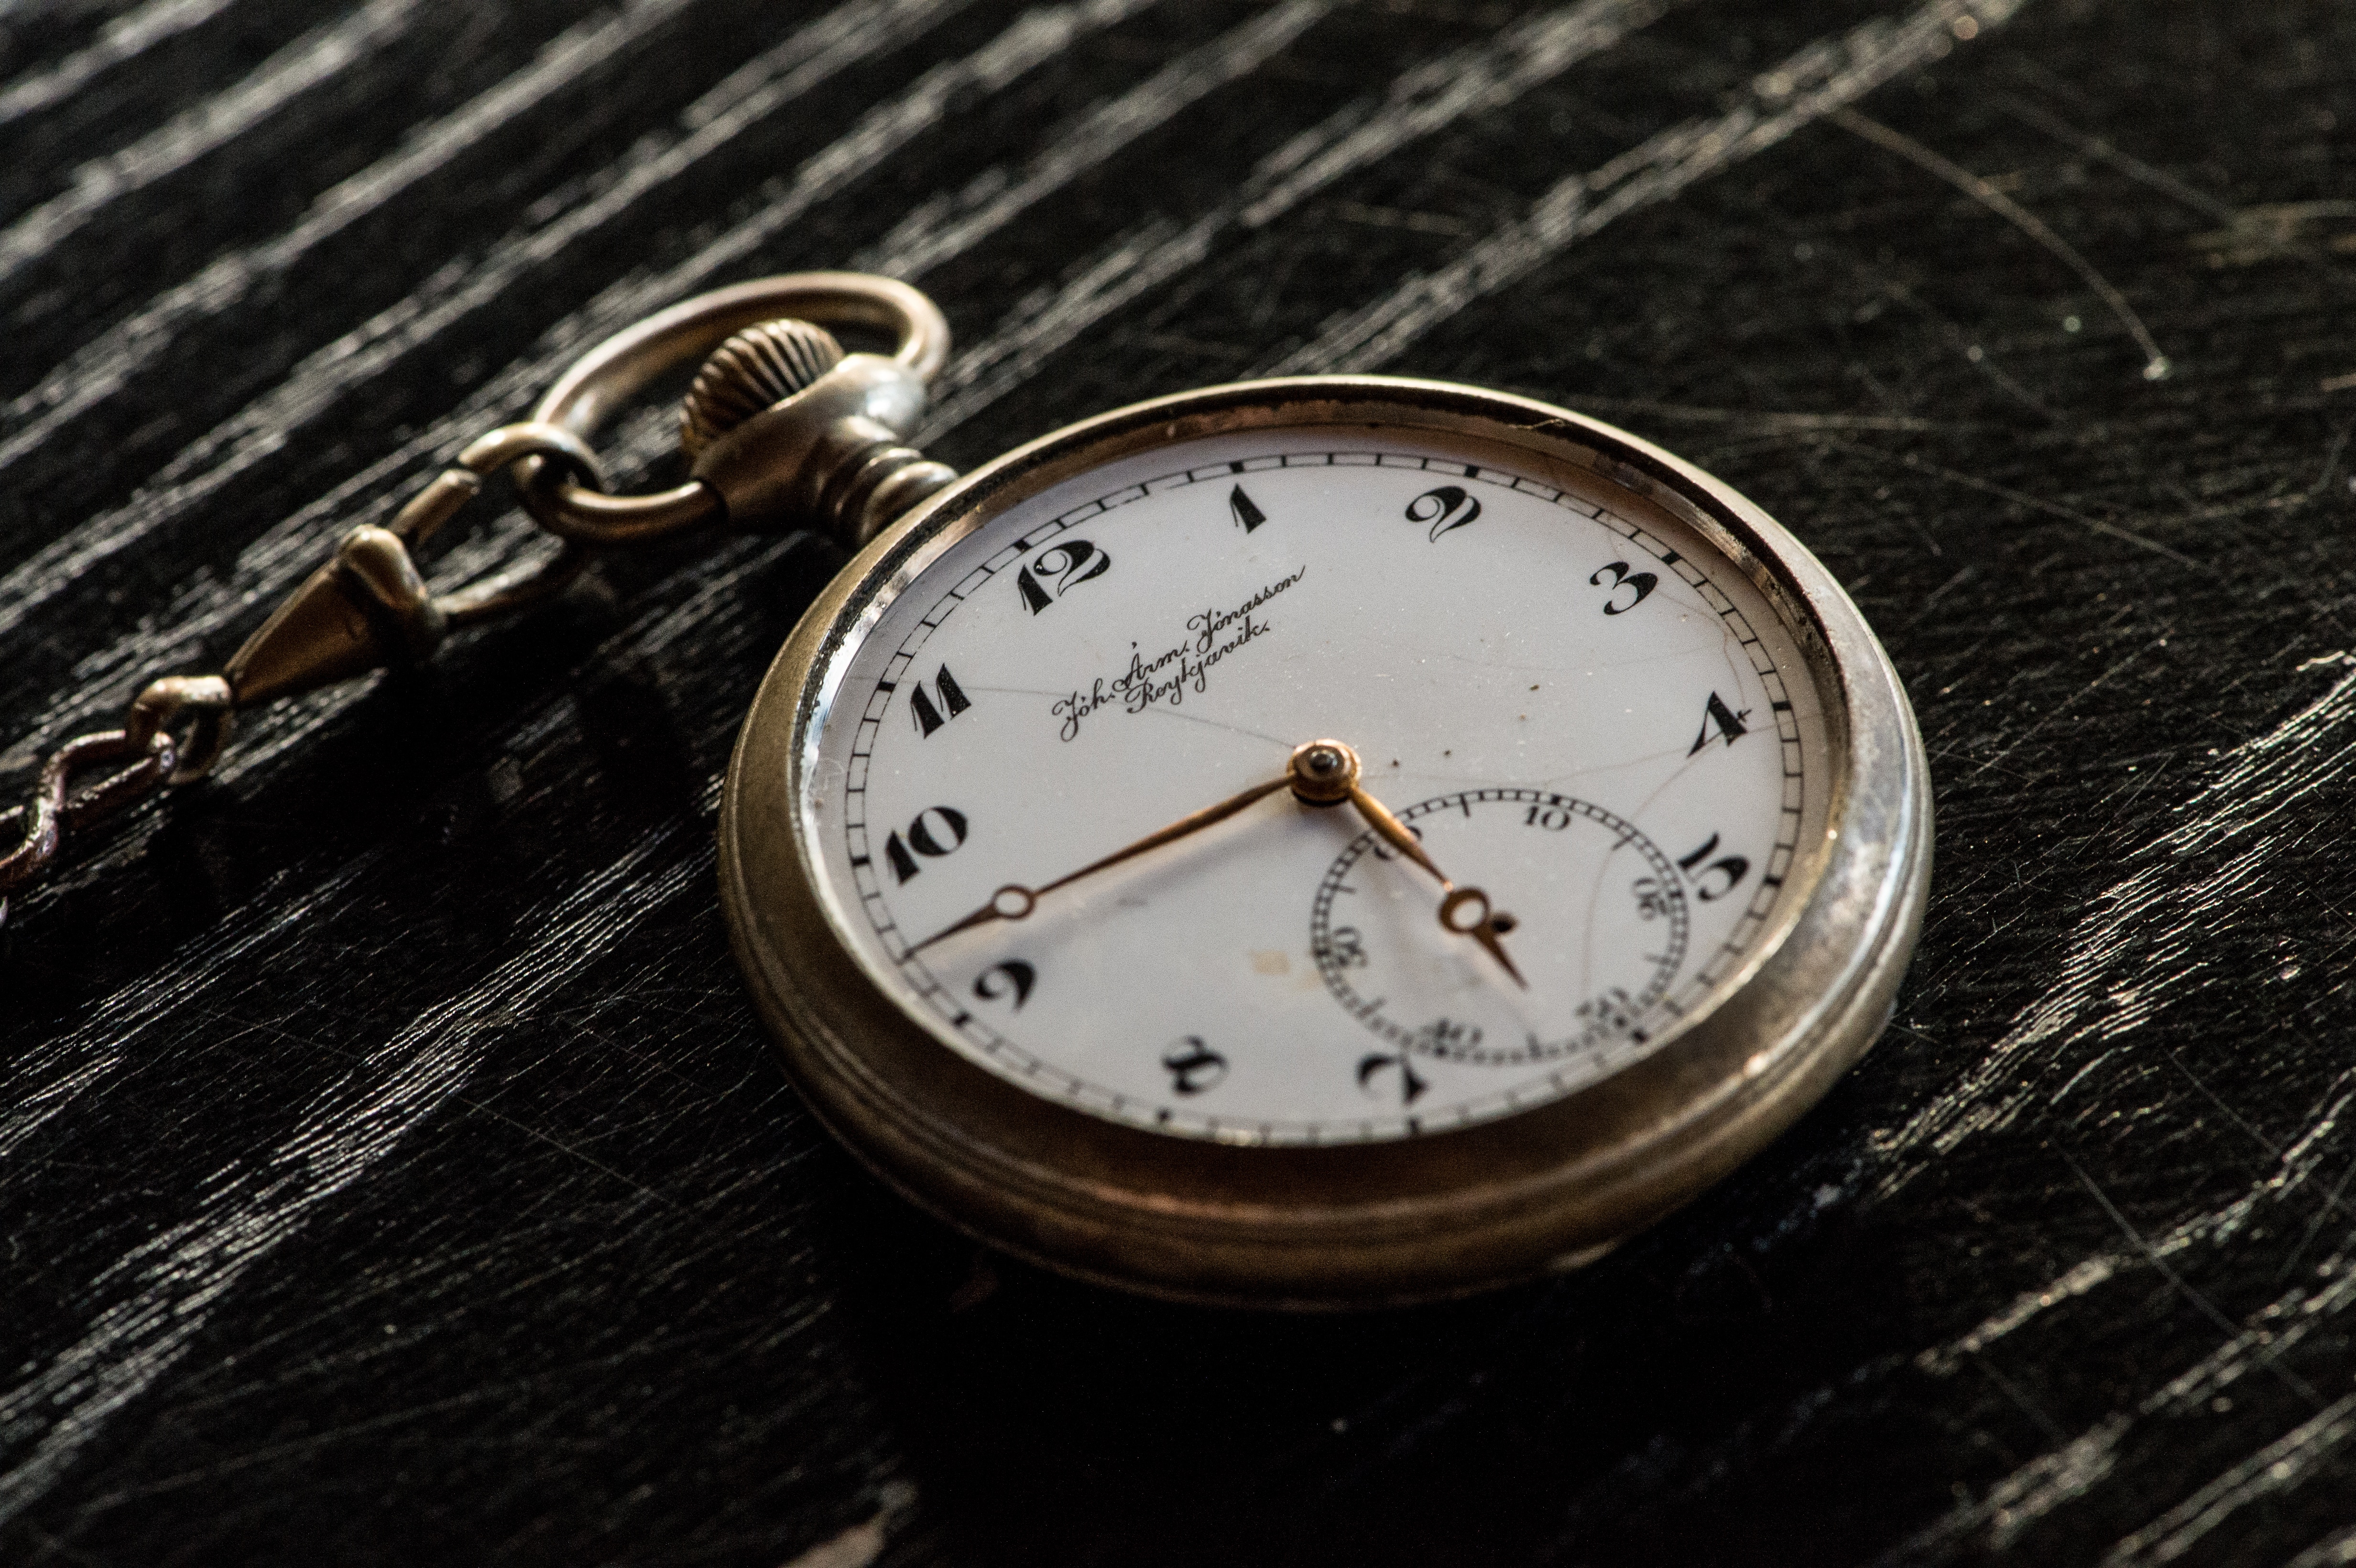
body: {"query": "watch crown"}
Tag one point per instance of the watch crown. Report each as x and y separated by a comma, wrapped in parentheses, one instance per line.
(759, 368)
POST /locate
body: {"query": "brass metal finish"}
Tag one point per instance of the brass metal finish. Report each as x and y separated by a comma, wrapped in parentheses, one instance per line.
(204, 702)
(821, 457)
(809, 461)
(1322, 773)
(888, 485)
(1357, 1224)
(368, 607)
(1316, 1226)
(147, 742)
(763, 364)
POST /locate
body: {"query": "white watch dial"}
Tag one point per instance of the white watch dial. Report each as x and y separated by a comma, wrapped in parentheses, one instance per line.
(1582, 708)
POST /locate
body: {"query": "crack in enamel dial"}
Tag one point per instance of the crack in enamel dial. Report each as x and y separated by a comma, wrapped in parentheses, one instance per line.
(1588, 714)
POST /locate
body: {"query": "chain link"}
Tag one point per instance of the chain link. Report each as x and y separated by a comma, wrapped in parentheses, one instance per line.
(147, 740)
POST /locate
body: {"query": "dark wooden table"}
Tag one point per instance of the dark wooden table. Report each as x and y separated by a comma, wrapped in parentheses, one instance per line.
(391, 1168)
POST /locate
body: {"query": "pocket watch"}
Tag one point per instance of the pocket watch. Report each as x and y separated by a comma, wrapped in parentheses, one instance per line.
(1324, 841)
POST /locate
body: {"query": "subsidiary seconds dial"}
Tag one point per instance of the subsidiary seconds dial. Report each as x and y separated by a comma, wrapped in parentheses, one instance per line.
(1430, 1001)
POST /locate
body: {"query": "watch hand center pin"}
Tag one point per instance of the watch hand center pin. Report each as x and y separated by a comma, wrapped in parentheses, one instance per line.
(1322, 773)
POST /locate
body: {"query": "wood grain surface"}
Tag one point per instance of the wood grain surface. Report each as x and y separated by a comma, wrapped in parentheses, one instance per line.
(391, 1168)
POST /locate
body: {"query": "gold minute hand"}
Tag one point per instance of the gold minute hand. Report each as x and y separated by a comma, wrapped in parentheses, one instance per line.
(1321, 772)
(1339, 781)
(1014, 901)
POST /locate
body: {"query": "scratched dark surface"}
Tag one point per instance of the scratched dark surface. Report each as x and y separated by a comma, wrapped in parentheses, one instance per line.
(391, 1168)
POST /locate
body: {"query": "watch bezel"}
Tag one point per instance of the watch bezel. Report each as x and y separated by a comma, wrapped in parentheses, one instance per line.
(1365, 1222)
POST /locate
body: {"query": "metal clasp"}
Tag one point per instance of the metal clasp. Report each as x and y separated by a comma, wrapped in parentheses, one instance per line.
(368, 607)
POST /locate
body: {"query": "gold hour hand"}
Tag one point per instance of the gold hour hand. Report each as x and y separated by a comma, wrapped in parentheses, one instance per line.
(1327, 772)
(1487, 925)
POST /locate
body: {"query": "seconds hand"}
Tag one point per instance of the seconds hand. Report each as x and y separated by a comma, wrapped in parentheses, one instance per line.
(1321, 772)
